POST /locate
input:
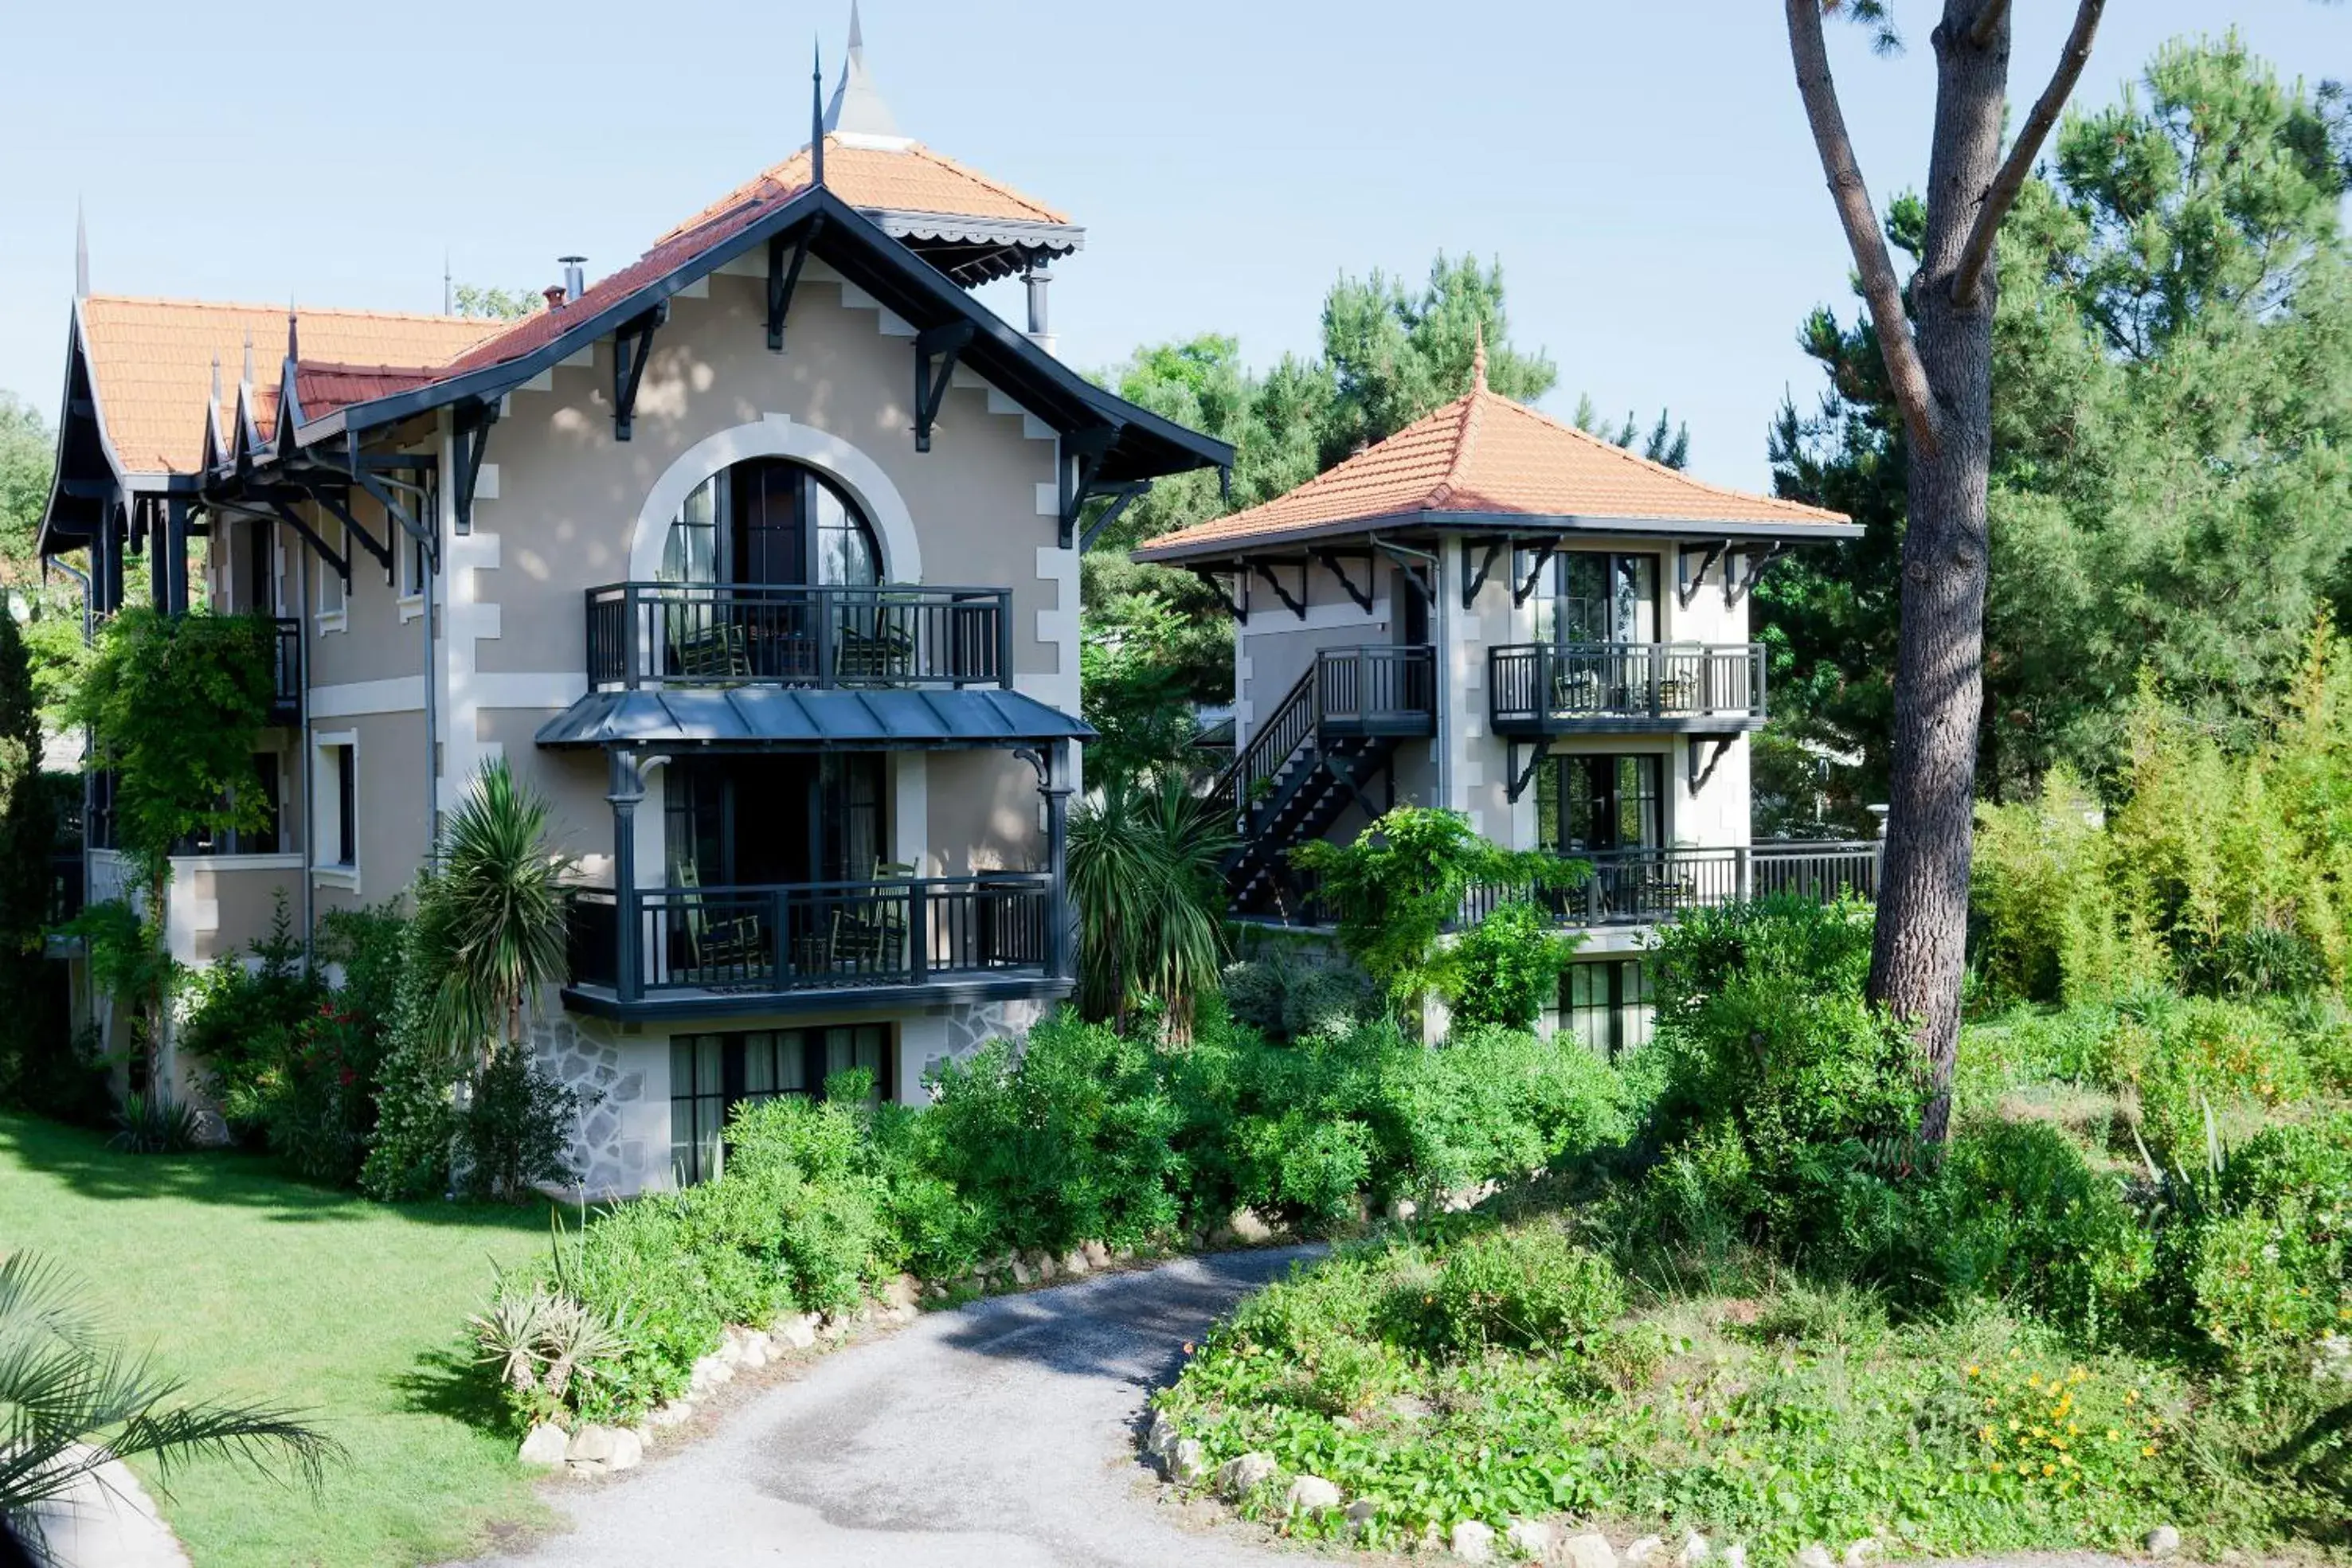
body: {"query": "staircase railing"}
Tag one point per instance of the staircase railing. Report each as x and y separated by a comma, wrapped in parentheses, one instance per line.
(1275, 742)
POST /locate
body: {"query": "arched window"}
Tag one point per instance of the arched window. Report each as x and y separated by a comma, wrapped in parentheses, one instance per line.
(771, 521)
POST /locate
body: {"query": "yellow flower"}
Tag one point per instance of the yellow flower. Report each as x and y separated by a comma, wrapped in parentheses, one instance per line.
(2131, 1396)
(2049, 1470)
(2148, 1452)
(1995, 1467)
(1972, 1372)
(2114, 1436)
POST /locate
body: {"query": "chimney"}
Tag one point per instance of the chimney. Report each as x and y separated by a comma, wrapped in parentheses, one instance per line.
(576, 275)
(553, 293)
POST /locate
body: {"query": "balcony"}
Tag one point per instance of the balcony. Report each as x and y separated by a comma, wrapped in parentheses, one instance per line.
(1645, 887)
(1376, 690)
(736, 634)
(1544, 688)
(687, 951)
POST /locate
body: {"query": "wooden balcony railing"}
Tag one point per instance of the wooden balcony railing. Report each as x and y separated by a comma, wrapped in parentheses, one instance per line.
(1550, 688)
(779, 939)
(1644, 887)
(1375, 690)
(733, 634)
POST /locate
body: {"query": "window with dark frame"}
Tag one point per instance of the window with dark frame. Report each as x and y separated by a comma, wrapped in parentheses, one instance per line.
(1599, 596)
(711, 1074)
(1604, 1004)
(345, 760)
(1592, 803)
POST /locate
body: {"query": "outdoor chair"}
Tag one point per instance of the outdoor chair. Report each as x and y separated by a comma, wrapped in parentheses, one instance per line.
(715, 653)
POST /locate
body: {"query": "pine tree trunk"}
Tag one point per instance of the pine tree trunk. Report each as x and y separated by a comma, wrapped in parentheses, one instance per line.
(1920, 948)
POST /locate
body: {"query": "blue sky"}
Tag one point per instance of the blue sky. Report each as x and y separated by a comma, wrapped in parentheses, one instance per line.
(1641, 171)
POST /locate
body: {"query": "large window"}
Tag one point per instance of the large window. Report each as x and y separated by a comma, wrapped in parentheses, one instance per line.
(758, 820)
(1606, 1004)
(771, 521)
(711, 1074)
(1594, 803)
(1593, 596)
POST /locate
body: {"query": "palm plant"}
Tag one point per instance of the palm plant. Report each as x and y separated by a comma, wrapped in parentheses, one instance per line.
(492, 916)
(70, 1404)
(1146, 886)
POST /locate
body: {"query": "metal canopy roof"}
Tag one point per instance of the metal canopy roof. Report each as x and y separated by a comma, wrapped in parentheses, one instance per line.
(789, 719)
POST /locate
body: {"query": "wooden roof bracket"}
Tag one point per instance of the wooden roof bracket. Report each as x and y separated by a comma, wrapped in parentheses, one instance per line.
(1236, 599)
(280, 512)
(1687, 582)
(473, 441)
(1522, 774)
(633, 344)
(1757, 561)
(1120, 497)
(1526, 586)
(1714, 746)
(945, 344)
(1419, 566)
(1083, 452)
(783, 279)
(1473, 582)
(1296, 606)
(1331, 560)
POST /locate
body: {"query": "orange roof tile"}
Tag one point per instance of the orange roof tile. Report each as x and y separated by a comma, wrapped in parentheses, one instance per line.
(151, 362)
(1483, 456)
(909, 180)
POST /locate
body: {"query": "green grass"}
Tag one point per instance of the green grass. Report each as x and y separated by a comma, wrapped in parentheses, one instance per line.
(260, 1287)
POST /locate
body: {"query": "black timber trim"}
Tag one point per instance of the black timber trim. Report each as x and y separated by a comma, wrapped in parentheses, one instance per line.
(1698, 774)
(1234, 599)
(906, 284)
(946, 344)
(1510, 525)
(1331, 560)
(633, 344)
(1758, 560)
(473, 441)
(1083, 452)
(1419, 566)
(1121, 498)
(1522, 587)
(1521, 776)
(304, 485)
(1473, 582)
(1687, 586)
(1297, 606)
(784, 278)
(282, 513)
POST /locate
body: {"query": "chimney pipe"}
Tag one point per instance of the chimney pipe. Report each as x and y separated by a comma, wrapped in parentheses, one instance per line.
(576, 275)
(554, 296)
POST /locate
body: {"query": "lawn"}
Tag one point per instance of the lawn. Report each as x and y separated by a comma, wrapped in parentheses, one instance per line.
(257, 1287)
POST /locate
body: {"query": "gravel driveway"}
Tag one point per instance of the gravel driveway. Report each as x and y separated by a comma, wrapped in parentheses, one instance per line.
(1002, 1433)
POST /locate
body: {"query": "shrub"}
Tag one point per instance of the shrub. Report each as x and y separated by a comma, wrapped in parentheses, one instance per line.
(2049, 920)
(2272, 1269)
(1526, 1287)
(1768, 1042)
(1504, 969)
(2018, 1214)
(1286, 996)
(515, 1131)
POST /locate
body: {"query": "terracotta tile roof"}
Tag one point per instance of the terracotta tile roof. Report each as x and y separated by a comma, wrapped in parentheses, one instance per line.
(1483, 456)
(324, 388)
(912, 180)
(151, 362)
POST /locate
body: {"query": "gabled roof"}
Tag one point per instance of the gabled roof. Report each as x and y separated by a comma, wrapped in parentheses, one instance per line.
(151, 363)
(1484, 459)
(905, 178)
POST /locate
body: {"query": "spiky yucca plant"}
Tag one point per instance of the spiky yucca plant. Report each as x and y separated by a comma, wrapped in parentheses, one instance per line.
(1145, 886)
(491, 916)
(70, 1403)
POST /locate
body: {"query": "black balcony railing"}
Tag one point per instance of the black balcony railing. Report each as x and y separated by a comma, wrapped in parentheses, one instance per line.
(1376, 690)
(1550, 687)
(1643, 887)
(906, 932)
(732, 634)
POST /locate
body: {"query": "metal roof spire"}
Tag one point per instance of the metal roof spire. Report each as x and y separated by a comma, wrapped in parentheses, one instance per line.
(216, 383)
(857, 108)
(246, 378)
(82, 253)
(1478, 357)
(816, 113)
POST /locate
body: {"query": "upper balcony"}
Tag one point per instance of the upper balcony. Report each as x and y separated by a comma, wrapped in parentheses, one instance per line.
(1570, 688)
(735, 634)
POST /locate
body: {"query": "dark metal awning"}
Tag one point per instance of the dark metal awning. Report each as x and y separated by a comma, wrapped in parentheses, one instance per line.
(789, 719)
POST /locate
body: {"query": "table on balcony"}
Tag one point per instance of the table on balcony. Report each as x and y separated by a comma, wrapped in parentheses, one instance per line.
(1555, 688)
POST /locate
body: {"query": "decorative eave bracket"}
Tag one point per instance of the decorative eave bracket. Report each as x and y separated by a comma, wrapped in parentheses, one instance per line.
(473, 441)
(1420, 568)
(1082, 457)
(1234, 599)
(1332, 561)
(945, 344)
(1121, 498)
(1686, 587)
(1758, 560)
(1541, 557)
(1296, 606)
(1714, 747)
(633, 344)
(1522, 774)
(1472, 581)
(784, 278)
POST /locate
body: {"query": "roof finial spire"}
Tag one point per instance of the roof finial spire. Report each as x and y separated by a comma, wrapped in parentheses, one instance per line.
(816, 113)
(215, 382)
(857, 36)
(448, 293)
(82, 253)
(858, 109)
(1478, 357)
(248, 377)
(293, 336)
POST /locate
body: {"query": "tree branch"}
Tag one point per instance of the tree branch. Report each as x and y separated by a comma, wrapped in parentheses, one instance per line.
(1982, 31)
(1968, 277)
(1880, 290)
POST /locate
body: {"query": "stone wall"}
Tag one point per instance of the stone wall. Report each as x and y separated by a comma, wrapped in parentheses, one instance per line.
(622, 1142)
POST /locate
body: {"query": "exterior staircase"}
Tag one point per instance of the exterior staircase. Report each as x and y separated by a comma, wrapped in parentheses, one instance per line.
(1330, 736)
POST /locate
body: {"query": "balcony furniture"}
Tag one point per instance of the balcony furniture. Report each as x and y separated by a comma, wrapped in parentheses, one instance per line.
(727, 634)
(1557, 688)
(1647, 886)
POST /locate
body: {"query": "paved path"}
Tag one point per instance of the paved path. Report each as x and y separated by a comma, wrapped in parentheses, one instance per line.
(999, 1434)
